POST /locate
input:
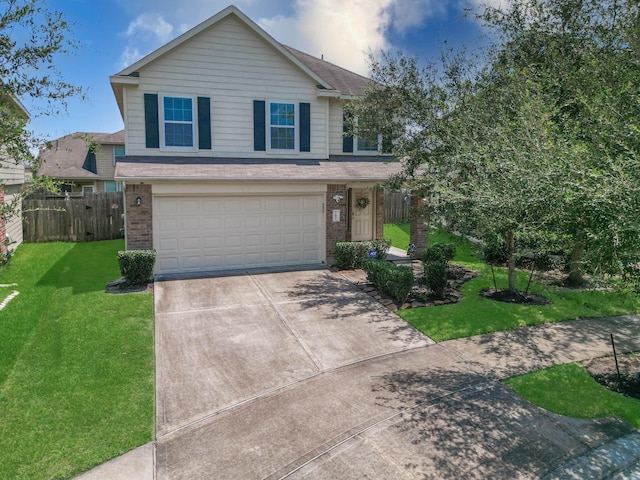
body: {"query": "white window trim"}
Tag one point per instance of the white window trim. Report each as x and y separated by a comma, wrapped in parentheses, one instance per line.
(367, 152)
(194, 122)
(93, 188)
(296, 127)
(377, 151)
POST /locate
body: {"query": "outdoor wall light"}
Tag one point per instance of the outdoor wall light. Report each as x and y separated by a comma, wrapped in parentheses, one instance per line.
(337, 197)
(138, 200)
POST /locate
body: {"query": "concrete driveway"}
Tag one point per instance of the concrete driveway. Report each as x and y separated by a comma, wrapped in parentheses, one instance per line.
(301, 375)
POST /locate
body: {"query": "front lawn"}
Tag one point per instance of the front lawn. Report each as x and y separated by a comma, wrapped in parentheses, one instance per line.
(570, 390)
(476, 315)
(76, 370)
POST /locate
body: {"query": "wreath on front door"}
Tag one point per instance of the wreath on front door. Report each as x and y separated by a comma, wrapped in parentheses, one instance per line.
(362, 202)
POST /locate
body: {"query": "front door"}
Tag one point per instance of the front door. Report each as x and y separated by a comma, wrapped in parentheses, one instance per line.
(361, 215)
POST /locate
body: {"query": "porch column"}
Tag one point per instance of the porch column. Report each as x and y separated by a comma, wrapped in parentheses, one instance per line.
(139, 218)
(336, 228)
(418, 225)
(379, 214)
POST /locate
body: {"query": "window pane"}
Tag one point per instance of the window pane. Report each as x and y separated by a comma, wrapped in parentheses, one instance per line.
(178, 135)
(282, 114)
(178, 109)
(109, 186)
(282, 138)
(367, 144)
(118, 151)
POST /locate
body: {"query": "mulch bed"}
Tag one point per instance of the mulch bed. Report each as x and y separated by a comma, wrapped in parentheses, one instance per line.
(120, 286)
(603, 370)
(514, 297)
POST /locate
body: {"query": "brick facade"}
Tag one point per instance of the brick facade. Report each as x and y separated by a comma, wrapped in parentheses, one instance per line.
(336, 231)
(139, 221)
(418, 225)
(379, 213)
(3, 225)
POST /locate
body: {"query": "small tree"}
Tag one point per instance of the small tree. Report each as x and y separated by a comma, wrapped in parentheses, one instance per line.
(32, 38)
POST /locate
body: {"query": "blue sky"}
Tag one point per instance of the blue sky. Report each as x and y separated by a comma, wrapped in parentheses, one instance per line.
(114, 33)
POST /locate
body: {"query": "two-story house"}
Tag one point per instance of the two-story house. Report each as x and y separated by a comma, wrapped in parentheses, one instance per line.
(84, 162)
(12, 179)
(235, 153)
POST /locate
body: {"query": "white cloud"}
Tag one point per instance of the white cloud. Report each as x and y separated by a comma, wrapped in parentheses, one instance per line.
(340, 30)
(129, 56)
(150, 25)
(343, 31)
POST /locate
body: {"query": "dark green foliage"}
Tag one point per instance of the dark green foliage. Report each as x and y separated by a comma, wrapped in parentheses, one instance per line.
(136, 266)
(435, 277)
(631, 276)
(494, 250)
(351, 255)
(441, 252)
(390, 279)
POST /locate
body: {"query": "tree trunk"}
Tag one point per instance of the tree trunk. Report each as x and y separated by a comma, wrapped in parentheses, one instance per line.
(511, 263)
(575, 265)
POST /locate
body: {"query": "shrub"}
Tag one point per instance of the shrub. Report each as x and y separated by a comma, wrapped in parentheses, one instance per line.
(435, 277)
(631, 276)
(136, 266)
(440, 252)
(351, 255)
(390, 279)
(495, 251)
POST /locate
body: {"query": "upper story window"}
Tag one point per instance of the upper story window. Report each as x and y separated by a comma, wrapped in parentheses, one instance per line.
(367, 145)
(118, 151)
(177, 122)
(177, 125)
(282, 126)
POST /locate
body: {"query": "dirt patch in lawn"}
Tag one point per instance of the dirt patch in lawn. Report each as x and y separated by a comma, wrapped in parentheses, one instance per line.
(603, 370)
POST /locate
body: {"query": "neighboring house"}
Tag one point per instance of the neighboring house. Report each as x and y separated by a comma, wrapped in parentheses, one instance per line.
(85, 162)
(12, 178)
(236, 156)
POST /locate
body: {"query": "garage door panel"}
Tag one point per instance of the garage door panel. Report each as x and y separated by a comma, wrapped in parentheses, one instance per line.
(191, 243)
(189, 224)
(253, 221)
(211, 233)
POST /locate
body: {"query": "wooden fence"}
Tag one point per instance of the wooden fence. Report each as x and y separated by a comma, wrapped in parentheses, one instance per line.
(94, 216)
(396, 207)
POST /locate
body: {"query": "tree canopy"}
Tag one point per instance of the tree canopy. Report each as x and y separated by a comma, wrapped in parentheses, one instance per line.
(32, 40)
(536, 140)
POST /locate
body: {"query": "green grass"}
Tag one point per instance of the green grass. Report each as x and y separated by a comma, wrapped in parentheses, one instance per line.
(569, 390)
(476, 315)
(76, 370)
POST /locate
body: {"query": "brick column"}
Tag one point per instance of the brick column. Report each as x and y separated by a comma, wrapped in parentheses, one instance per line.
(3, 225)
(418, 225)
(379, 201)
(336, 231)
(139, 218)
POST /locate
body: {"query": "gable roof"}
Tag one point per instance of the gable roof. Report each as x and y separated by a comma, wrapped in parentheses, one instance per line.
(230, 10)
(333, 80)
(67, 155)
(342, 80)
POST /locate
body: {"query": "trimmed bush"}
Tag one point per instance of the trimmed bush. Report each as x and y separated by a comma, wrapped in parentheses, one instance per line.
(390, 279)
(352, 255)
(439, 252)
(435, 277)
(136, 266)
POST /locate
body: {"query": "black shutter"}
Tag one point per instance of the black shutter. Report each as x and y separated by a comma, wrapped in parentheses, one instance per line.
(347, 141)
(305, 127)
(204, 123)
(151, 123)
(259, 126)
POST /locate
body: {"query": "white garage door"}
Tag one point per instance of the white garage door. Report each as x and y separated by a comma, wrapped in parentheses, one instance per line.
(194, 234)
